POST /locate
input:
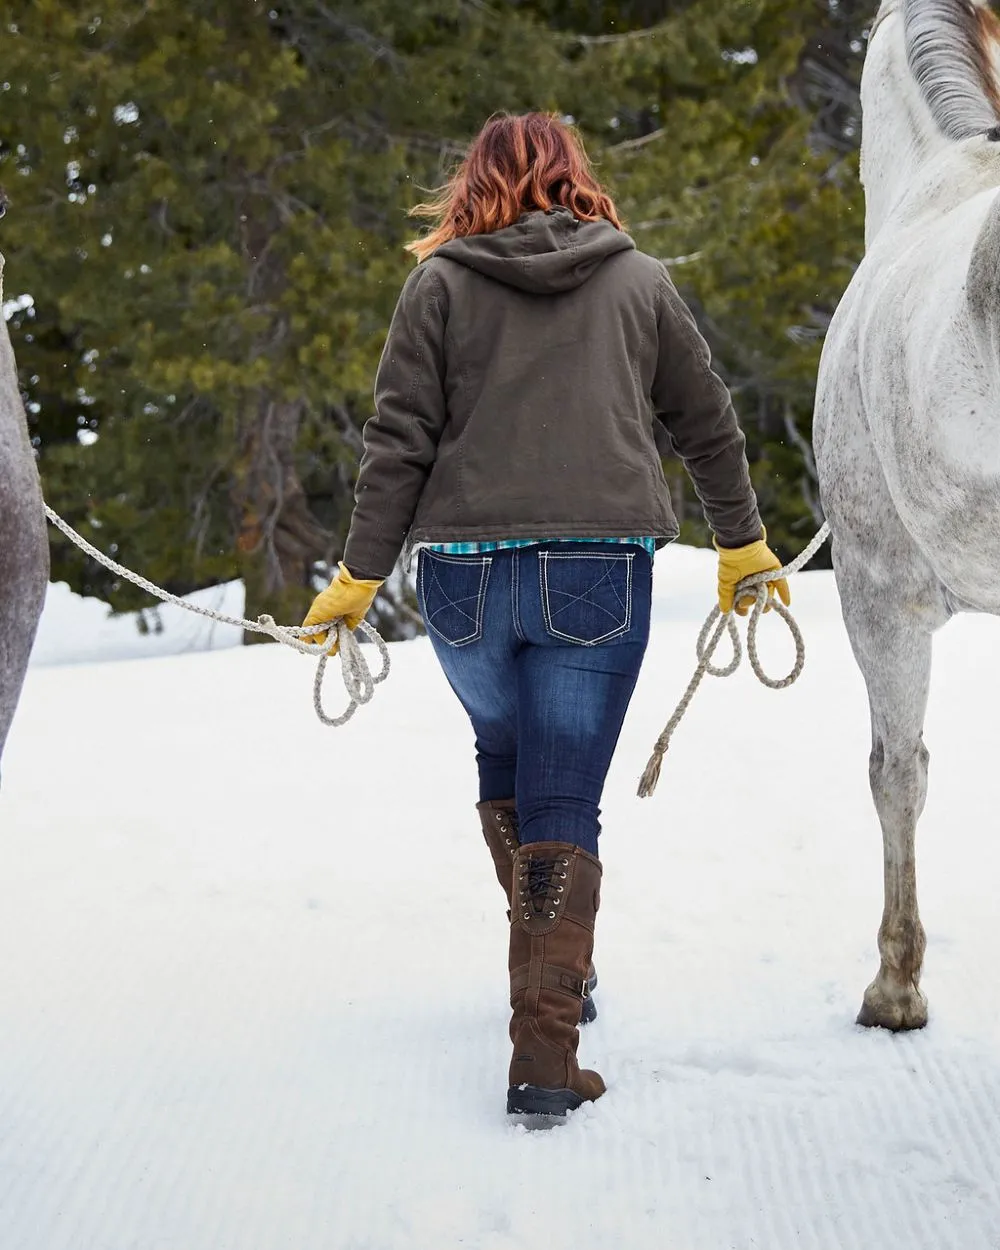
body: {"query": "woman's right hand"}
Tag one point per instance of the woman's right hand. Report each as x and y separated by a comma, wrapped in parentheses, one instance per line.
(348, 597)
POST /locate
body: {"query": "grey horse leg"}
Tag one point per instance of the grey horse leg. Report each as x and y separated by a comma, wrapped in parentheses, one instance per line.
(891, 636)
(23, 593)
(24, 552)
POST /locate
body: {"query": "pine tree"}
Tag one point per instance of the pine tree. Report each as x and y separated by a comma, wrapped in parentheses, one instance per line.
(723, 146)
(208, 212)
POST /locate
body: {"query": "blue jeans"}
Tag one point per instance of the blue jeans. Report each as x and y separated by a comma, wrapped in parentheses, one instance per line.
(543, 647)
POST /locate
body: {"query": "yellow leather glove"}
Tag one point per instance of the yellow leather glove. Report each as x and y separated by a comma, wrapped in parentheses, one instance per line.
(346, 597)
(735, 563)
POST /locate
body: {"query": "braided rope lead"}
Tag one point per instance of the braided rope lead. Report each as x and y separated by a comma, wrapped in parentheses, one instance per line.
(711, 635)
(359, 682)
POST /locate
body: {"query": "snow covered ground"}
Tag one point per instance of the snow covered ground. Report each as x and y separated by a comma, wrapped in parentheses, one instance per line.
(252, 971)
(74, 630)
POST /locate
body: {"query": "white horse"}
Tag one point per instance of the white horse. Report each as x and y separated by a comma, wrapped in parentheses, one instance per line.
(24, 551)
(907, 430)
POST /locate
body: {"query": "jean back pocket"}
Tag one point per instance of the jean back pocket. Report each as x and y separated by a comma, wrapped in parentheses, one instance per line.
(452, 592)
(587, 596)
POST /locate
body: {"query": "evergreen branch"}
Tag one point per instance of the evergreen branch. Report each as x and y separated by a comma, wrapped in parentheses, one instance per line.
(673, 261)
(629, 36)
(380, 50)
(160, 216)
(799, 443)
(349, 432)
(357, 129)
(631, 145)
(810, 479)
(659, 223)
(201, 517)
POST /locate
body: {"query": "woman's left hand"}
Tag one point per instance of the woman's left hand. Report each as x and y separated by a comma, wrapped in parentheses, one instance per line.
(346, 597)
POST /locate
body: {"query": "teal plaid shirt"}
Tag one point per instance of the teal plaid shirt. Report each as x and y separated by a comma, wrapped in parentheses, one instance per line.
(506, 544)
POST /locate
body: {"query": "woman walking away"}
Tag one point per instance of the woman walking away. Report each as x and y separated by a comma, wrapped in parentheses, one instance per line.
(536, 369)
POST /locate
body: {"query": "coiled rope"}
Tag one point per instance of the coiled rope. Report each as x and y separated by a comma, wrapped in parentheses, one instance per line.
(709, 639)
(359, 681)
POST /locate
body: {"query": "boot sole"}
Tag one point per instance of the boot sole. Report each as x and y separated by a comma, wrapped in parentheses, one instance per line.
(535, 1107)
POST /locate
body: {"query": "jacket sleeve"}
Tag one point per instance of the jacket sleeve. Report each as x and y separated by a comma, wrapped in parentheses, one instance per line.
(401, 439)
(695, 407)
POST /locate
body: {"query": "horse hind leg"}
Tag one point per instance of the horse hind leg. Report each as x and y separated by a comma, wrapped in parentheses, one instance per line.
(18, 621)
(891, 637)
(24, 550)
(24, 570)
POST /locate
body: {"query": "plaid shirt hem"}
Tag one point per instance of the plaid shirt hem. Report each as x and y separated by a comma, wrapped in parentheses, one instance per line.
(508, 544)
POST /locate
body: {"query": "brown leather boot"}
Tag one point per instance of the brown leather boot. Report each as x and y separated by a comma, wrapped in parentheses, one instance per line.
(557, 891)
(500, 829)
(499, 820)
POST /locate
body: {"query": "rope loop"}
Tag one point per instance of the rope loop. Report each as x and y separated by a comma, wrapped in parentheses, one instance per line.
(706, 649)
(710, 636)
(359, 682)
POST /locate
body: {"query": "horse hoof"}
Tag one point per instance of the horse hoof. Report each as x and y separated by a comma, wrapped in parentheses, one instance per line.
(897, 1009)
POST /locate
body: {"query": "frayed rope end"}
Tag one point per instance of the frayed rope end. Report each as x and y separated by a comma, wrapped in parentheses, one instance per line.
(651, 776)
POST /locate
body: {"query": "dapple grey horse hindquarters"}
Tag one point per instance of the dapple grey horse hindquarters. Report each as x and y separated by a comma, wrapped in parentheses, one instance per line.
(24, 551)
(907, 422)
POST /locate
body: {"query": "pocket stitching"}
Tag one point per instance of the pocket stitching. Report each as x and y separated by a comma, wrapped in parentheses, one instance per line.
(485, 564)
(581, 598)
(543, 560)
(515, 595)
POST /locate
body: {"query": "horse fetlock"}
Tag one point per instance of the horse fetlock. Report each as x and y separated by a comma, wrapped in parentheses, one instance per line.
(901, 945)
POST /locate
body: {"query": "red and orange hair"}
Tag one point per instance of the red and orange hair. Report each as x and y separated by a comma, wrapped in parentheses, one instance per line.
(515, 164)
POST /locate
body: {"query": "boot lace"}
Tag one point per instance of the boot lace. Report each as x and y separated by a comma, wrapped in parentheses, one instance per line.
(541, 885)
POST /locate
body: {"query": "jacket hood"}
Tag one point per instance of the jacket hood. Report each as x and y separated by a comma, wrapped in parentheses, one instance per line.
(543, 252)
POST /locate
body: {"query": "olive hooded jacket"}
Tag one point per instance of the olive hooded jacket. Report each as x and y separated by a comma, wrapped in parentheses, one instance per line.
(531, 380)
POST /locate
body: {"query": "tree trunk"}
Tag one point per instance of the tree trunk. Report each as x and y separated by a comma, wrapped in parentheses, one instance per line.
(280, 541)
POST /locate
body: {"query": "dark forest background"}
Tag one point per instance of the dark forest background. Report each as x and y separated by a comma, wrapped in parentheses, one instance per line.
(208, 208)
